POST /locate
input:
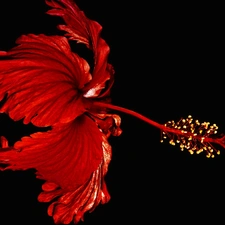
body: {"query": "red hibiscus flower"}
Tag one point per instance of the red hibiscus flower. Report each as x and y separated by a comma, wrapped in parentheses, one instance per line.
(46, 84)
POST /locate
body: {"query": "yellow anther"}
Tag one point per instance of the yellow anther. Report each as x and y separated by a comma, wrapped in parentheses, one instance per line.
(190, 138)
(191, 152)
(199, 151)
(191, 135)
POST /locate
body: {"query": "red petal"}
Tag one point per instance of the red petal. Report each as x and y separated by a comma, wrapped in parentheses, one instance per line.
(67, 155)
(72, 205)
(81, 29)
(43, 80)
(2, 53)
(4, 142)
(4, 145)
(75, 19)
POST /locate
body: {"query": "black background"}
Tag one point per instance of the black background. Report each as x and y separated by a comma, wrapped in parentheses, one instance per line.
(169, 64)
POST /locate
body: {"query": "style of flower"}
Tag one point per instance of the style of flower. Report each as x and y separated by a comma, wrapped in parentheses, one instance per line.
(44, 83)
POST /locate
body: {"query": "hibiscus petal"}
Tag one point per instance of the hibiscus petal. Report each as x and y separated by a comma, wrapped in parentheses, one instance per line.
(67, 155)
(73, 204)
(4, 142)
(3, 53)
(76, 20)
(83, 30)
(43, 79)
(4, 145)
